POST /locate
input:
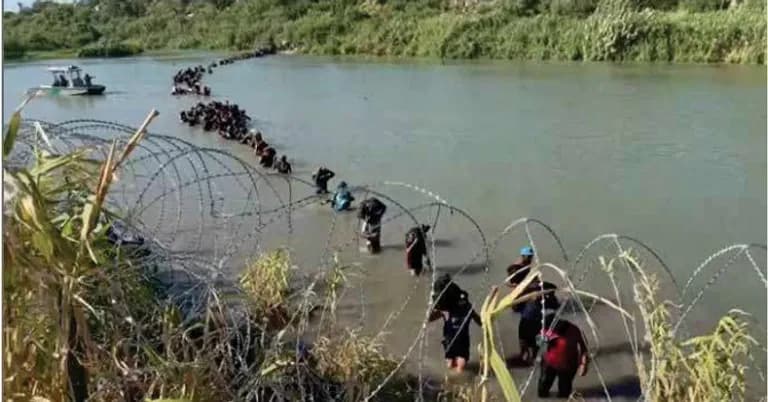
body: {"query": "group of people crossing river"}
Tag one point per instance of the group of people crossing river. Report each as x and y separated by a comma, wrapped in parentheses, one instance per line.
(188, 81)
(565, 352)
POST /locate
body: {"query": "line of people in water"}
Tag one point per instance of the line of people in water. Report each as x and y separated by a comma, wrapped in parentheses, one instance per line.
(565, 352)
(232, 123)
(188, 81)
(227, 119)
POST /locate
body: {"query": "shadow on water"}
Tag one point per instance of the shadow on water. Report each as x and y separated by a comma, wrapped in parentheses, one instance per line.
(464, 269)
(620, 348)
(515, 362)
(627, 387)
(440, 243)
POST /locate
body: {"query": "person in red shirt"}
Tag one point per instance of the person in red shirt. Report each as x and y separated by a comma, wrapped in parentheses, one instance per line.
(565, 356)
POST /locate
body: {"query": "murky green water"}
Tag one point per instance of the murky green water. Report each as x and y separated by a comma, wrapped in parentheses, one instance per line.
(672, 155)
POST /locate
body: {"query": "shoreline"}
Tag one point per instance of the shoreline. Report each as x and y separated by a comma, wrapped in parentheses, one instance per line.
(37, 56)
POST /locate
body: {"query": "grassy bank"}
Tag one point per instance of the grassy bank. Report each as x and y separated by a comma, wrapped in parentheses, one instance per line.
(592, 30)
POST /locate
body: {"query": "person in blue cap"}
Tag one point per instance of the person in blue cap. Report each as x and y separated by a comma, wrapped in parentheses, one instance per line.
(531, 312)
(342, 199)
(522, 266)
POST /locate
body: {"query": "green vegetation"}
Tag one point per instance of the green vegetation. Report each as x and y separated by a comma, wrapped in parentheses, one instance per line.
(110, 50)
(732, 31)
(707, 367)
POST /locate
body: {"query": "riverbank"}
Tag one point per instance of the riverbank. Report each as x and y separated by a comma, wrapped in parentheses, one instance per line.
(610, 30)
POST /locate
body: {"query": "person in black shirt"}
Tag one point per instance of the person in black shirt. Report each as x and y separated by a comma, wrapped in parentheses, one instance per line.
(453, 306)
(416, 249)
(267, 158)
(371, 211)
(321, 177)
(283, 166)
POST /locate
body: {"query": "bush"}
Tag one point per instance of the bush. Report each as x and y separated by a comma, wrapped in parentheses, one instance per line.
(704, 5)
(110, 50)
(572, 7)
(520, 29)
(13, 49)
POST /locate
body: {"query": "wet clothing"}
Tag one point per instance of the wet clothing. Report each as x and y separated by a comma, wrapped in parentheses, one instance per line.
(456, 314)
(565, 344)
(564, 348)
(371, 211)
(261, 146)
(520, 270)
(415, 249)
(283, 166)
(547, 376)
(321, 178)
(531, 311)
(267, 159)
(342, 200)
(372, 233)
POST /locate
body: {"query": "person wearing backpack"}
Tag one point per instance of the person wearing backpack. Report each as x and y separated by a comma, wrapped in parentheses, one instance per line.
(451, 303)
(565, 356)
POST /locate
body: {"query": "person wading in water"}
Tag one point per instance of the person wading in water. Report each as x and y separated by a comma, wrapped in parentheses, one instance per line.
(531, 312)
(416, 249)
(283, 166)
(321, 177)
(452, 304)
(342, 199)
(371, 211)
(565, 356)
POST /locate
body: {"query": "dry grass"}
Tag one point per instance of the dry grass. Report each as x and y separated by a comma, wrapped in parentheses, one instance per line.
(358, 362)
(707, 367)
(266, 282)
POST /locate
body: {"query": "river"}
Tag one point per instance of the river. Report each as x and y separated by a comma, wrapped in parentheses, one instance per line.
(672, 155)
